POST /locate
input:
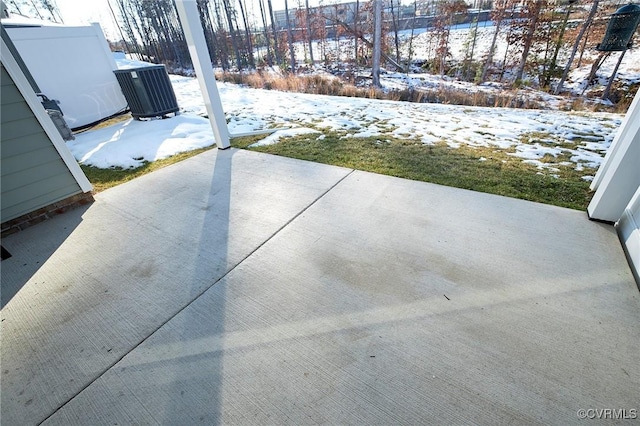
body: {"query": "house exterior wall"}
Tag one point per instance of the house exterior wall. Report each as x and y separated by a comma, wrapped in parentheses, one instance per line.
(73, 65)
(33, 173)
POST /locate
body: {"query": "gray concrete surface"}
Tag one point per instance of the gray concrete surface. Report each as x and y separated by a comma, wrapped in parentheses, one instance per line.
(243, 288)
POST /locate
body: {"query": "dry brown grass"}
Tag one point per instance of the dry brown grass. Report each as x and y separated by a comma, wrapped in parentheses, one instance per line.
(621, 96)
(322, 85)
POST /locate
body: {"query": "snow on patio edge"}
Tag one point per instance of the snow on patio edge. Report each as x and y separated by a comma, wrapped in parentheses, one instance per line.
(130, 143)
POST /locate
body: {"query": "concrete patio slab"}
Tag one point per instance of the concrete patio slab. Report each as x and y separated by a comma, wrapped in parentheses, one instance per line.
(94, 283)
(340, 298)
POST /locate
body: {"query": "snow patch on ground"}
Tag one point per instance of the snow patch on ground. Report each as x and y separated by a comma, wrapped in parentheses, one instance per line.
(279, 134)
(527, 134)
(131, 143)
(585, 136)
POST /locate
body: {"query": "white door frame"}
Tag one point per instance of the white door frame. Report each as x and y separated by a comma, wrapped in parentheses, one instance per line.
(618, 178)
(617, 185)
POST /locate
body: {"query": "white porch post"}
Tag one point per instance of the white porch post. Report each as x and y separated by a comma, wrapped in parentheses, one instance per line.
(190, 19)
(618, 178)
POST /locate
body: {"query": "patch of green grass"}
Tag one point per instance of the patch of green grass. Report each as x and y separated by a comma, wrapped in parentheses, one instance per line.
(102, 179)
(533, 137)
(499, 173)
(459, 167)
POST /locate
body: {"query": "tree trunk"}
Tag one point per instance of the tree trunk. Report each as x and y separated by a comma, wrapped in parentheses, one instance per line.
(504, 63)
(266, 33)
(17, 6)
(370, 45)
(607, 90)
(309, 31)
(395, 32)
(584, 46)
(377, 42)
(275, 33)
(413, 26)
(585, 25)
(247, 32)
(52, 9)
(137, 28)
(292, 52)
(36, 10)
(124, 40)
(595, 67)
(207, 26)
(223, 34)
(234, 42)
(336, 39)
(554, 59)
(356, 21)
(473, 49)
(492, 51)
(534, 15)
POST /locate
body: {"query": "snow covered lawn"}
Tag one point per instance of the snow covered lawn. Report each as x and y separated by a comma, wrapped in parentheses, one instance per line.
(583, 138)
(130, 143)
(576, 139)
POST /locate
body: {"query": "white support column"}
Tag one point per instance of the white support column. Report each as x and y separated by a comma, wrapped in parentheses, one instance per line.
(618, 178)
(190, 19)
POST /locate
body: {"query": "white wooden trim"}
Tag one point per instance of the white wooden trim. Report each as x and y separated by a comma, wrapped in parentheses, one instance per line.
(43, 118)
(619, 177)
(626, 127)
(628, 228)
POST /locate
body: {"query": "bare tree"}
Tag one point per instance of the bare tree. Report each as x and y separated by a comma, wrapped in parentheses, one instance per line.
(369, 44)
(36, 10)
(554, 59)
(266, 33)
(309, 30)
(210, 35)
(223, 36)
(229, 13)
(292, 52)
(247, 31)
(127, 46)
(470, 50)
(338, 32)
(447, 10)
(586, 24)
(413, 26)
(52, 8)
(377, 42)
(394, 20)
(356, 23)
(131, 17)
(497, 15)
(44, 10)
(320, 29)
(14, 7)
(532, 14)
(275, 33)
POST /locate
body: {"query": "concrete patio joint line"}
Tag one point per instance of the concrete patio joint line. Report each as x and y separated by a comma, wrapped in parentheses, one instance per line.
(197, 296)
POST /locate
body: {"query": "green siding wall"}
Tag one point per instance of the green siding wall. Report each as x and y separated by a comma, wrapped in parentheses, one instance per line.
(32, 172)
